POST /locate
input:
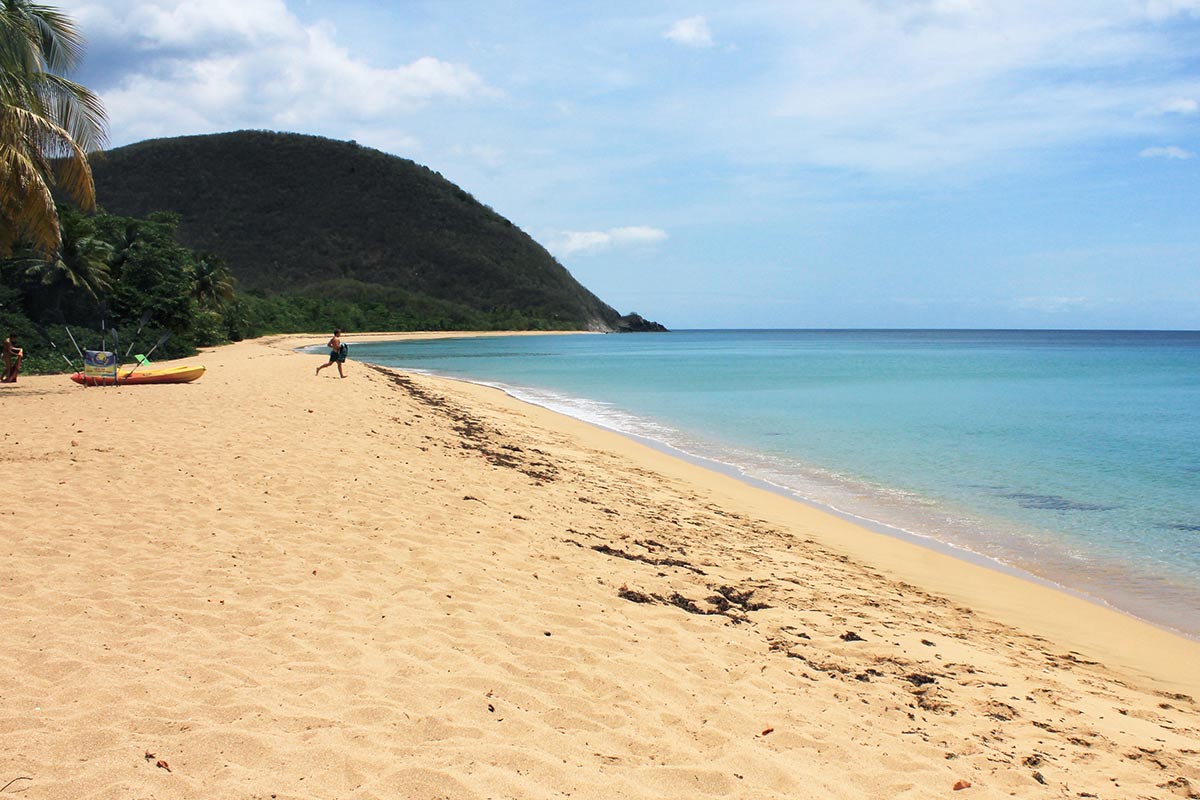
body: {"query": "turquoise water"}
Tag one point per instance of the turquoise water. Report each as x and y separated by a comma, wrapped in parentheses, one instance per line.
(1072, 456)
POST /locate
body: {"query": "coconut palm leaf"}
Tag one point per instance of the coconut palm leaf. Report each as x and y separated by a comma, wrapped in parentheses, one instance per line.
(212, 282)
(80, 264)
(43, 117)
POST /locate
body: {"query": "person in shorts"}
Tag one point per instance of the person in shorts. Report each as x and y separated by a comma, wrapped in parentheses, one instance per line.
(337, 353)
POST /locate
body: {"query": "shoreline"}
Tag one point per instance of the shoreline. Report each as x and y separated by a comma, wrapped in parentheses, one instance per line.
(916, 539)
(959, 552)
(954, 551)
(400, 585)
(1008, 602)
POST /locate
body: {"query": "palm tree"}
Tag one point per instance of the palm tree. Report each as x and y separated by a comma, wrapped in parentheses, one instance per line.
(212, 283)
(124, 243)
(43, 118)
(81, 262)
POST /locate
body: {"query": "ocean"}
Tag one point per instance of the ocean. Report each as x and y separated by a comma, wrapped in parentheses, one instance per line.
(1070, 456)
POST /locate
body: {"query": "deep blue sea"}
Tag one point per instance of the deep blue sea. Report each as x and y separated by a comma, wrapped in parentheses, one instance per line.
(1073, 456)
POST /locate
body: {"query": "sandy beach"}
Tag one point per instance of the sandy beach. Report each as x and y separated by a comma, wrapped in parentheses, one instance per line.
(270, 584)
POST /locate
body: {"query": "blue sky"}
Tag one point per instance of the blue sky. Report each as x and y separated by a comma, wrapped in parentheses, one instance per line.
(859, 163)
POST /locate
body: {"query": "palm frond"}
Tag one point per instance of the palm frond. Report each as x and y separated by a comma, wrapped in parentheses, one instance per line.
(43, 117)
(57, 44)
(76, 109)
(26, 200)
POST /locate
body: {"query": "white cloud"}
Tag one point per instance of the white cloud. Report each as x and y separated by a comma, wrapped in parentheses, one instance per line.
(484, 155)
(919, 87)
(899, 88)
(1050, 305)
(692, 32)
(572, 242)
(1163, 9)
(1179, 105)
(221, 64)
(236, 20)
(1170, 151)
(957, 6)
(180, 27)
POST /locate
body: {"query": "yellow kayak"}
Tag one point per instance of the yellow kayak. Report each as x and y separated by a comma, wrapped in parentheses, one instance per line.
(128, 376)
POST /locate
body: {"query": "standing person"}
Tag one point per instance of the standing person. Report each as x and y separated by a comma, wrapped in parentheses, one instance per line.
(337, 353)
(12, 359)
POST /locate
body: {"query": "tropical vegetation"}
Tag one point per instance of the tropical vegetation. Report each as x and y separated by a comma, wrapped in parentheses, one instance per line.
(131, 275)
(48, 125)
(114, 273)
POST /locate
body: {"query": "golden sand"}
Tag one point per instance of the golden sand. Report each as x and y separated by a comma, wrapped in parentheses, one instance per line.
(273, 585)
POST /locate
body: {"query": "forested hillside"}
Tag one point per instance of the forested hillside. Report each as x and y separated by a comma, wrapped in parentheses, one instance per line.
(308, 216)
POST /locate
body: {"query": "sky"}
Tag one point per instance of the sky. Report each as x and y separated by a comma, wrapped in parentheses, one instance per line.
(758, 164)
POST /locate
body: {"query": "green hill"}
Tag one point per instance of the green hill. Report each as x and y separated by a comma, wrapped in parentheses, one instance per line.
(308, 216)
